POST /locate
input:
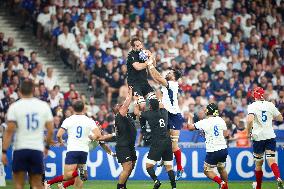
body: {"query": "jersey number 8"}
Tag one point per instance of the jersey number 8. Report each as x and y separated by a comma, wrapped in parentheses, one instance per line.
(162, 122)
(216, 130)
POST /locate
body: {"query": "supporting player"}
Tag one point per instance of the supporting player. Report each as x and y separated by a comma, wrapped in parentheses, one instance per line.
(215, 130)
(160, 148)
(79, 128)
(170, 88)
(125, 135)
(28, 124)
(261, 113)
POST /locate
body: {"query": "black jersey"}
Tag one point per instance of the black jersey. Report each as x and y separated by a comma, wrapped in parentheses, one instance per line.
(135, 76)
(158, 121)
(126, 131)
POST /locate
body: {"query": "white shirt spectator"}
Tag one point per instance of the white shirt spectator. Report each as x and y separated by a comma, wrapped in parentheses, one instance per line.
(17, 68)
(106, 44)
(117, 17)
(116, 52)
(49, 82)
(66, 41)
(43, 18)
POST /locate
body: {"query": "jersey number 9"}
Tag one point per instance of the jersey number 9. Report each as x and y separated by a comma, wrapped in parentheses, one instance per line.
(32, 121)
(79, 132)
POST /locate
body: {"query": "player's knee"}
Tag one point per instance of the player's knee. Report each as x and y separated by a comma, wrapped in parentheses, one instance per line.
(207, 168)
(258, 158)
(221, 167)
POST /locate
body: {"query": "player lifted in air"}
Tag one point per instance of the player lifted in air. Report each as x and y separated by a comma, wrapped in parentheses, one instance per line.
(80, 130)
(261, 113)
(27, 118)
(215, 130)
(157, 118)
(170, 88)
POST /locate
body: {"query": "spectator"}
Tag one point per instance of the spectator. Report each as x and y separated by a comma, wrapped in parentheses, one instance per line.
(220, 87)
(50, 80)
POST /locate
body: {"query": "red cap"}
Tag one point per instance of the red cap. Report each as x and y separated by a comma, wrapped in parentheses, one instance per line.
(258, 93)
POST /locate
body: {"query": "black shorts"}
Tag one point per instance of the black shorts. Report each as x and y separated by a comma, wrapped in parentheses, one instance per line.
(213, 158)
(125, 154)
(27, 160)
(142, 89)
(259, 147)
(162, 150)
(76, 157)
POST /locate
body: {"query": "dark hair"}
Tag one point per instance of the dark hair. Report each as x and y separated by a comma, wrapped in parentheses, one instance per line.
(133, 41)
(27, 87)
(177, 74)
(212, 109)
(154, 103)
(78, 106)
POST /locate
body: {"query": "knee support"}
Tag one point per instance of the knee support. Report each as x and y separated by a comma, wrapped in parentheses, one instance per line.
(174, 138)
(208, 167)
(269, 155)
(221, 165)
(151, 95)
(258, 159)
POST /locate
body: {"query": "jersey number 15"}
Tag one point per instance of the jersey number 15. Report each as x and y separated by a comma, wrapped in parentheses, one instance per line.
(32, 121)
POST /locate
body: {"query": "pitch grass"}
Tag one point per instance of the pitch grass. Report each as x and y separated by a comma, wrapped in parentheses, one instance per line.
(101, 184)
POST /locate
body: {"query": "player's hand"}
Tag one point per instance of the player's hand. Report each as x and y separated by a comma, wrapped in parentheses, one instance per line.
(45, 152)
(148, 53)
(113, 154)
(61, 144)
(130, 88)
(4, 159)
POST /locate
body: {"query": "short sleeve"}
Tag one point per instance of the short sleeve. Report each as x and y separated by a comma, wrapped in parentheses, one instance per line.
(224, 125)
(49, 116)
(93, 124)
(199, 125)
(65, 124)
(132, 58)
(11, 115)
(275, 111)
(251, 109)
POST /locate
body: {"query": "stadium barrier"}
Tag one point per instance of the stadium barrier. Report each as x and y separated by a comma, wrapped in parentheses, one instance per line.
(240, 165)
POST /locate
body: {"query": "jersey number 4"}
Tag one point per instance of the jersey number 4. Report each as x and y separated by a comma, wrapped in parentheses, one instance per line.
(32, 121)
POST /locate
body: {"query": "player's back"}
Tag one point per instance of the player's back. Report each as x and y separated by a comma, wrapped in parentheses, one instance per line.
(78, 129)
(135, 76)
(30, 115)
(263, 112)
(213, 128)
(158, 121)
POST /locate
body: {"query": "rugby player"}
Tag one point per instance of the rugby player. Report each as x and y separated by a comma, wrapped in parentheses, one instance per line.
(215, 130)
(125, 135)
(261, 113)
(160, 148)
(27, 118)
(170, 88)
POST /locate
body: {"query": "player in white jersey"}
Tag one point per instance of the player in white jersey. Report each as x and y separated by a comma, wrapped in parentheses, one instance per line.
(80, 129)
(261, 114)
(92, 145)
(215, 130)
(170, 88)
(28, 118)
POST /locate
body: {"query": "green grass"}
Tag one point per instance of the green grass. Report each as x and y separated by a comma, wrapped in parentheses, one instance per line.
(165, 185)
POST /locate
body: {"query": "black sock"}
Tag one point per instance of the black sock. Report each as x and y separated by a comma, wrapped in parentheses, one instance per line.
(172, 178)
(120, 186)
(152, 174)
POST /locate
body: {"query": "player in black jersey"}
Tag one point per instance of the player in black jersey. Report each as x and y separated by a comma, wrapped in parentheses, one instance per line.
(161, 145)
(125, 135)
(137, 72)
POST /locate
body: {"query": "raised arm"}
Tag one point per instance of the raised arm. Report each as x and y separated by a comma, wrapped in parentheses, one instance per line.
(139, 66)
(156, 75)
(124, 108)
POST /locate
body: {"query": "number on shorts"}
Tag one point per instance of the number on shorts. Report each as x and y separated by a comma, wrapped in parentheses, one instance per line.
(162, 122)
(263, 116)
(79, 132)
(216, 130)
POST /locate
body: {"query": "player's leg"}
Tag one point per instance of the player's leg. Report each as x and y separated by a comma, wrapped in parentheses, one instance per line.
(258, 151)
(154, 155)
(270, 146)
(36, 169)
(35, 180)
(222, 171)
(19, 179)
(78, 184)
(167, 157)
(126, 171)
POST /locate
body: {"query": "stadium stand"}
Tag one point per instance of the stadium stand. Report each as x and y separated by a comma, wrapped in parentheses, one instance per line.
(224, 49)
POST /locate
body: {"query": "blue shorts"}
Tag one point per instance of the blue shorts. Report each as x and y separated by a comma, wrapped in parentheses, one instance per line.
(175, 121)
(213, 158)
(76, 157)
(259, 147)
(27, 160)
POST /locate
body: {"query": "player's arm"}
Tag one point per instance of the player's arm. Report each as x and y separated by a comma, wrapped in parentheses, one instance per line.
(137, 111)
(191, 127)
(49, 135)
(279, 118)
(124, 108)
(107, 149)
(8, 134)
(59, 135)
(157, 76)
(139, 66)
(250, 118)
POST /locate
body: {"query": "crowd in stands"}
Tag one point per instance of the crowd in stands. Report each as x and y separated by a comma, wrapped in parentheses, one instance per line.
(224, 49)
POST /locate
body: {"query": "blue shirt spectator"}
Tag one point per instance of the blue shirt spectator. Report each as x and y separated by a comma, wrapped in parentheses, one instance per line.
(220, 87)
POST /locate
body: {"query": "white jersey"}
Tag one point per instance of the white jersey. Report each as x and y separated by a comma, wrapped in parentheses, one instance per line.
(78, 129)
(30, 115)
(213, 128)
(263, 112)
(170, 97)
